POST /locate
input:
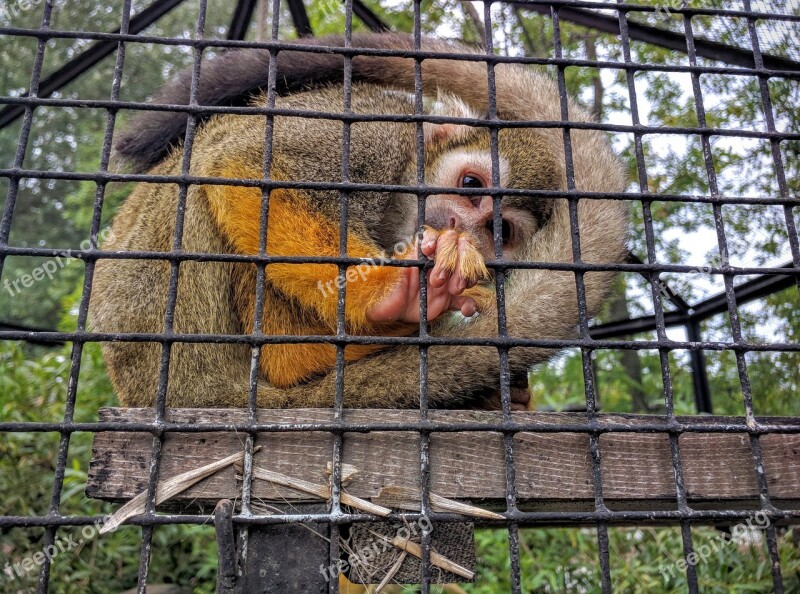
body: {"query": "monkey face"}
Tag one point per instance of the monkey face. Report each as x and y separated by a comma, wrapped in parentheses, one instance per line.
(473, 213)
(460, 156)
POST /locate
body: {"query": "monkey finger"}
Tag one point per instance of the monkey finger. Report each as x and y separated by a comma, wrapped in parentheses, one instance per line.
(438, 277)
(457, 283)
(520, 398)
(466, 305)
(430, 236)
(446, 258)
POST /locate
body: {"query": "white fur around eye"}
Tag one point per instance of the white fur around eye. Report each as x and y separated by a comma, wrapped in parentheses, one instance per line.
(454, 164)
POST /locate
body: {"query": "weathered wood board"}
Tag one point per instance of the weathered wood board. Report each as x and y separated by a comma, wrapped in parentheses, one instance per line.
(551, 468)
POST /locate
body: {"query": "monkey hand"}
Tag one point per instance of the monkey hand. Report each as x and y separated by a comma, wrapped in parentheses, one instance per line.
(459, 266)
(520, 399)
(459, 262)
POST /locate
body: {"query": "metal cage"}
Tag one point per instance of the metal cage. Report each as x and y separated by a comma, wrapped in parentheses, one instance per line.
(629, 22)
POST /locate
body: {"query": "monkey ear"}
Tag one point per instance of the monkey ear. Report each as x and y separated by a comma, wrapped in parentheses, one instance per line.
(447, 105)
(436, 133)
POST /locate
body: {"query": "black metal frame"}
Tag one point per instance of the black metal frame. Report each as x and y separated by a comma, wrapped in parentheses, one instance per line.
(591, 339)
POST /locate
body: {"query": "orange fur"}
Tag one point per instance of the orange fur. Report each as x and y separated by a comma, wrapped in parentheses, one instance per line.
(289, 364)
(295, 229)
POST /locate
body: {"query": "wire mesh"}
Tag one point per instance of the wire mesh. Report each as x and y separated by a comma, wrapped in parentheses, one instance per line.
(37, 97)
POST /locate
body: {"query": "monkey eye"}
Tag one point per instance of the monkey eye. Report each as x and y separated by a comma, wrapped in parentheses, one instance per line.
(471, 181)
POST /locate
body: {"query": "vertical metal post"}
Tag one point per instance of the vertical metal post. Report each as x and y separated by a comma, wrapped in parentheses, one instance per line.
(226, 547)
(702, 391)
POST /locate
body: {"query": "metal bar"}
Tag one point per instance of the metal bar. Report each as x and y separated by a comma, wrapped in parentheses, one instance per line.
(169, 315)
(664, 38)
(755, 443)
(242, 17)
(748, 291)
(702, 391)
(8, 327)
(498, 342)
(293, 45)
(587, 354)
(86, 60)
(20, 172)
(502, 321)
(83, 308)
(663, 288)
(245, 546)
(5, 229)
(549, 519)
(226, 547)
(602, 425)
(368, 17)
(424, 392)
(302, 25)
(656, 291)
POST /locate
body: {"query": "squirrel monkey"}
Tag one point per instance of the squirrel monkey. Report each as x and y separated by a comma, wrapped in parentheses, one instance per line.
(219, 298)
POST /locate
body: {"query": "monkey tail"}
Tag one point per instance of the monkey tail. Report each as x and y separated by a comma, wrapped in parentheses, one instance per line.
(233, 78)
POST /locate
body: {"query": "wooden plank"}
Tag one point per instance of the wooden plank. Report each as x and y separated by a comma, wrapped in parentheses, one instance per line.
(550, 467)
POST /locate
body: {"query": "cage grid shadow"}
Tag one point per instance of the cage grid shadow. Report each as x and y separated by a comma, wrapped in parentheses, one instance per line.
(612, 17)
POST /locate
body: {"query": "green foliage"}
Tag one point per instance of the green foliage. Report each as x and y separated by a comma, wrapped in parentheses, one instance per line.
(642, 560)
(34, 388)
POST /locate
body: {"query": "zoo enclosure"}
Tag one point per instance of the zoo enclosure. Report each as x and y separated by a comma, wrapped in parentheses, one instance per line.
(609, 17)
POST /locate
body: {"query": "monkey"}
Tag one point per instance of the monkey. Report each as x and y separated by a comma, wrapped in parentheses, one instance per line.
(130, 295)
(286, 365)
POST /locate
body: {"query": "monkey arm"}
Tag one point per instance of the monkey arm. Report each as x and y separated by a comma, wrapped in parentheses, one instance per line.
(539, 304)
(286, 365)
(296, 229)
